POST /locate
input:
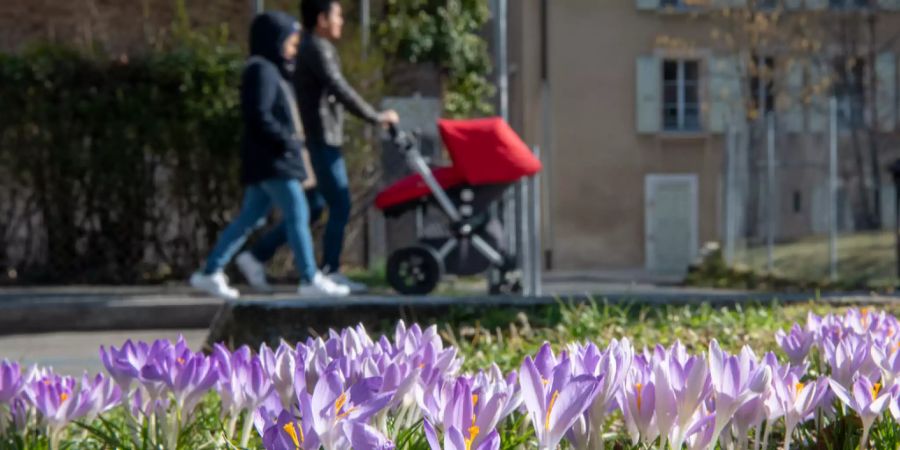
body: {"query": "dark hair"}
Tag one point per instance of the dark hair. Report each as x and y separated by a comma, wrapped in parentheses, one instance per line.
(310, 10)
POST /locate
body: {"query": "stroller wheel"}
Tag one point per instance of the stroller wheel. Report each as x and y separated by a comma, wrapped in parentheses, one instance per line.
(414, 270)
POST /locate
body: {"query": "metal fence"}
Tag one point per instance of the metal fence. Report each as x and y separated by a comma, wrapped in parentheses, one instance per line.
(811, 205)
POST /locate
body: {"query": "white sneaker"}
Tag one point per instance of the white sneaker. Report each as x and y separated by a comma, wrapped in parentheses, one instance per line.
(341, 279)
(323, 286)
(215, 285)
(253, 271)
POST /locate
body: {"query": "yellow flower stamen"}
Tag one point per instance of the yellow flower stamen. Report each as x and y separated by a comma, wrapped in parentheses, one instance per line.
(473, 433)
(637, 387)
(293, 433)
(474, 399)
(340, 402)
(339, 405)
(180, 360)
(545, 381)
(550, 409)
(63, 397)
(875, 390)
(798, 387)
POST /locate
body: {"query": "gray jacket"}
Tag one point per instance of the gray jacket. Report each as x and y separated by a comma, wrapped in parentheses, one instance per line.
(324, 93)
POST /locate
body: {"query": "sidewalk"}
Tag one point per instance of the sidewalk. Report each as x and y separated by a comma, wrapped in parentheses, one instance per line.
(84, 308)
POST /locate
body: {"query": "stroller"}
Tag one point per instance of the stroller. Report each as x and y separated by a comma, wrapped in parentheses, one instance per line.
(488, 157)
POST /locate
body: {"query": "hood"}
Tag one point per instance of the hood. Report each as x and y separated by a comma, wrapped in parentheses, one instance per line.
(268, 33)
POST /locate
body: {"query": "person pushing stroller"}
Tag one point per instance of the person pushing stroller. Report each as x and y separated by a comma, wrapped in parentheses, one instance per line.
(323, 94)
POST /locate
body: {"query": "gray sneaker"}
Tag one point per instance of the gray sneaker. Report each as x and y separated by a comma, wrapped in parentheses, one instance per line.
(341, 279)
(253, 271)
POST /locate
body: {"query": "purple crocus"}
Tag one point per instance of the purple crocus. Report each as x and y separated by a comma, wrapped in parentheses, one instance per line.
(11, 381)
(735, 381)
(472, 412)
(281, 368)
(286, 432)
(102, 395)
(638, 402)
(610, 367)
(795, 344)
(681, 385)
(188, 375)
(333, 403)
(849, 358)
(556, 402)
(457, 440)
(867, 399)
(59, 401)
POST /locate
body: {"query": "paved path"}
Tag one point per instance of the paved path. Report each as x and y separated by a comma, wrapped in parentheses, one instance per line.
(73, 353)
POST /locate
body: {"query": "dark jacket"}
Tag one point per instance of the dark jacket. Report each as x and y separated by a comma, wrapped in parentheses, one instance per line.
(324, 93)
(270, 147)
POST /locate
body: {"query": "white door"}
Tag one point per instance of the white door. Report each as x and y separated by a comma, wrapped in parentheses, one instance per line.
(671, 222)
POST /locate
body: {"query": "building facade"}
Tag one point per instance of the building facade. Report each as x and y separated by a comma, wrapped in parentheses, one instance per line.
(633, 101)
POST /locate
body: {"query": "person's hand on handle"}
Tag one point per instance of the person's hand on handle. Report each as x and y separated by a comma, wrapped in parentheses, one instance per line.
(388, 118)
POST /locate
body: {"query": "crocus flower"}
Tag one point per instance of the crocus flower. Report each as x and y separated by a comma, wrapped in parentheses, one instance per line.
(364, 436)
(733, 386)
(681, 385)
(457, 440)
(286, 433)
(795, 344)
(867, 399)
(59, 401)
(333, 403)
(554, 404)
(849, 358)
(281, 368)
(189, 376)
(610, 367)
(638, 402)
(11, 381)
(473, 413)
(103, 394)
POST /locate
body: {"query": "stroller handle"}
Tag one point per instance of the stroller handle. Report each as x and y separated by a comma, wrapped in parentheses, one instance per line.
(403, 140)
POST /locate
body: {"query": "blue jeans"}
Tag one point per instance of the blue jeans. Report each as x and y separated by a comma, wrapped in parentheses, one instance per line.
(332, 188)
(286, 195)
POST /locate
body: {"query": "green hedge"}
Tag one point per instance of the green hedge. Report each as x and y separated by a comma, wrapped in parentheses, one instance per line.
(115, 171)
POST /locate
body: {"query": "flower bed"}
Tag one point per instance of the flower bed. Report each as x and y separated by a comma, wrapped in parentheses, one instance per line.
(837, 388)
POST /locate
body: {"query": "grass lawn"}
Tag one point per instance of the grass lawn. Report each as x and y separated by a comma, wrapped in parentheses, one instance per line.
(505, 336)
(867, 259)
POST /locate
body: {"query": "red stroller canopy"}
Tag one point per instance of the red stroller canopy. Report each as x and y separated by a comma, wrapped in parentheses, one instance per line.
(484, 151)
(487, 151)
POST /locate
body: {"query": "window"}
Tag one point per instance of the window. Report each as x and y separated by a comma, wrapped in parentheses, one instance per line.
(683, 4)
(798, 202)
(849, 90)
(681, 95)
(762, 86)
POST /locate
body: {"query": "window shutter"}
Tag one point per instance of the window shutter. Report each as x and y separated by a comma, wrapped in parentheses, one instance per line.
(886, 91)
(790, 100)
(725, 100)
(647, 5)
(820, 84)
(648, 88)
(817, 5)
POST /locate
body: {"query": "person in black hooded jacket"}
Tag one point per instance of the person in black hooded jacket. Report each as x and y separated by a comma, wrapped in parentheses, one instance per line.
(272, 166)
(323, 94)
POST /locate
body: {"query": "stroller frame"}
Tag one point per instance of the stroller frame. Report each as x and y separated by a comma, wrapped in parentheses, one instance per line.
(417, 270)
